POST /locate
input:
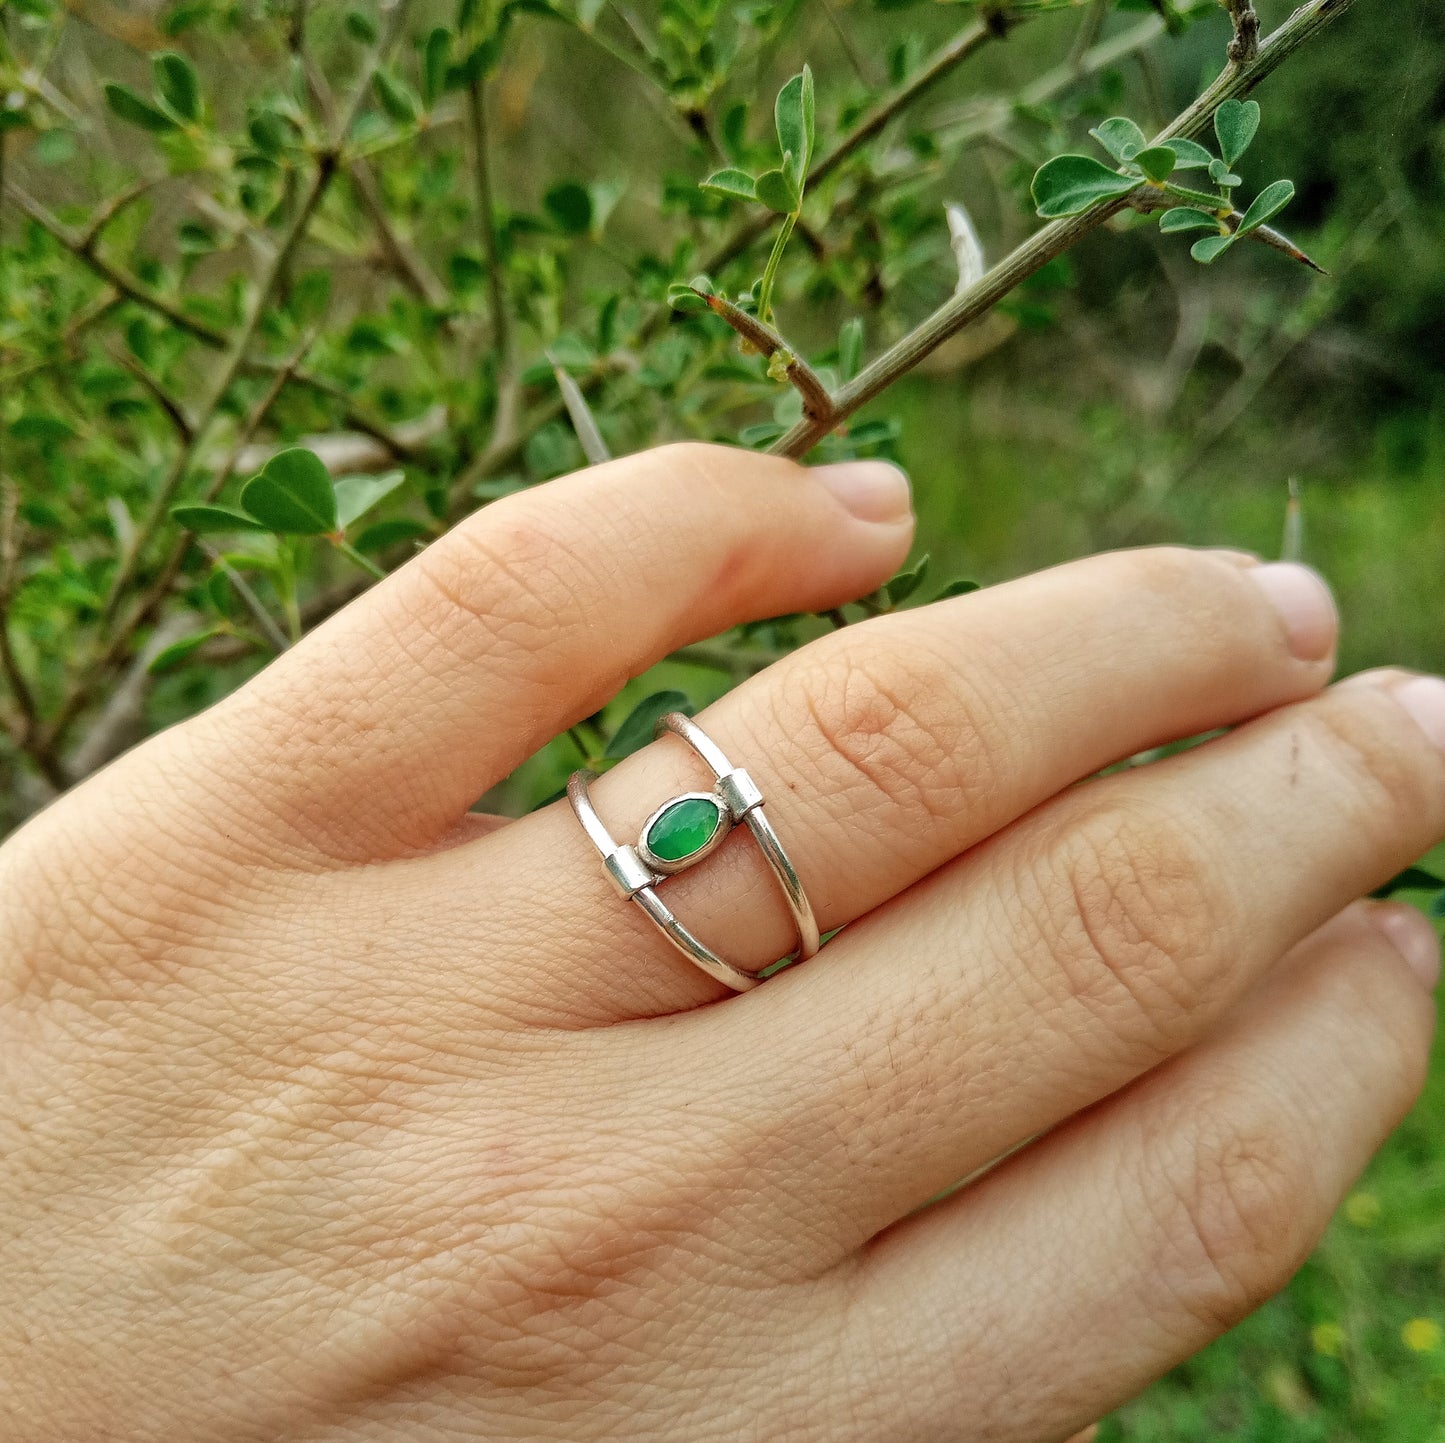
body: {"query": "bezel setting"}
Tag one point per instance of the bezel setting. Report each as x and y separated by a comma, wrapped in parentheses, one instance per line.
(663, 865)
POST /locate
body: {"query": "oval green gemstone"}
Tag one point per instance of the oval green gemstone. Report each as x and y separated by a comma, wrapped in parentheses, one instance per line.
(683, 827)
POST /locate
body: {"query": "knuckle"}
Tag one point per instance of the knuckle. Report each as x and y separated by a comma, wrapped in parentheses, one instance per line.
(1361, 736)
(1234, 1218)
(879, 726)
(510, 570)
(1136, 917)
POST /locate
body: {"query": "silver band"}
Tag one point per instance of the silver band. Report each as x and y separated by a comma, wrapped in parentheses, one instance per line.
(636, 871)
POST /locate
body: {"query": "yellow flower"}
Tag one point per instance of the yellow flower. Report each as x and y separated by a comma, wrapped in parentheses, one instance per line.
(1328, 1339)
(1362, 1209)
(1422, 1335)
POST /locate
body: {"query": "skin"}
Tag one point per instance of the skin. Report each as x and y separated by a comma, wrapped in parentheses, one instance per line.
(334, 1112)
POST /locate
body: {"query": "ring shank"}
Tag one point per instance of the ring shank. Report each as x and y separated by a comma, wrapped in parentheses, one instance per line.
(635, 879)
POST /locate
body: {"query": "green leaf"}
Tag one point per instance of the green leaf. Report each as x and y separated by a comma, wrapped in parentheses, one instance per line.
(1235, 123)
(957, 588)
(1186, 218)
(178, 651)
(356, 495)
(569, 204)
(902, 586)
(1069, 184)
(205, 518)
(793, 115)
(731, 182)
(395, 97)
(1189, 154)
(1221, 174)
(1412, 879)
(682, 296)
(361, 27)
(636, 729)
(435, 57)
(1211, 248)
(177, 84)
(293, 495)
(381, 535)
(850, 347)
(269, 133)
(1157, 162)
(1269, 202)
(1120, 137)
(129, 106)
(219, 592)
(777, 191)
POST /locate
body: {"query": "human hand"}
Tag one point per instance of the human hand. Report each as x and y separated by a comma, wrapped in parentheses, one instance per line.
(331, 1111)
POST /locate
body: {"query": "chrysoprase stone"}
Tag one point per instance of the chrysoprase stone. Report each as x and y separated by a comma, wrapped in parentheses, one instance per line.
(683, 827)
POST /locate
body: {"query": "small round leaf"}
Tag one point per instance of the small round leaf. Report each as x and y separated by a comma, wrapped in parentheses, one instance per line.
(1157, 162)
(569, 204)
(1069, 184)
(1269, 202)
(1235, 124)
(1186, 218)
(178, 85)
(129, 106)
(1211, 248)
(776, 190)
(731, 182)
(1120, 137)
(205, 519)
(1189, 154)
(293, 495)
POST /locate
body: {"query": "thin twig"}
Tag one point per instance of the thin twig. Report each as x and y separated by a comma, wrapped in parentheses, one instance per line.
(132, 289)
(764, 339)
(1149, 200)
(943, 61)
(1054, 239)
(504, 415)
(413, 272)
(1244, 44)
(168, 403)
(264, 619)
(121, 633)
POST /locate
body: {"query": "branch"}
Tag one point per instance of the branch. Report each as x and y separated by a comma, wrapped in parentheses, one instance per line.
(157, 392)
(1150, 200)
(170, 486)
(122, 634)
(1244, 45)
(764, 339)
(133, 289)
(504, 417)
(1053, 240)
(942, 62)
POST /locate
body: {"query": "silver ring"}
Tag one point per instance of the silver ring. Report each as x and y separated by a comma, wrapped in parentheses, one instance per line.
(680, 833)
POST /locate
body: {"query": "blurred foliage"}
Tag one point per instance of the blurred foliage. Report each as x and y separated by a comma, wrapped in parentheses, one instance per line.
(438, 246)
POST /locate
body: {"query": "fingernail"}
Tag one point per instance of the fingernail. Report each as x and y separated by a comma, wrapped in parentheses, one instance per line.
(1424, 698)
(1413, 937)
(1304, 604)
(871, 490)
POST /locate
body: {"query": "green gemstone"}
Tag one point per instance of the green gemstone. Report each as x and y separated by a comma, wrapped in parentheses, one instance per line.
(683, 827)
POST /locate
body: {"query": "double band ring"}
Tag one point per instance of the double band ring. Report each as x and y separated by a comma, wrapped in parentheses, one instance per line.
(680, 833)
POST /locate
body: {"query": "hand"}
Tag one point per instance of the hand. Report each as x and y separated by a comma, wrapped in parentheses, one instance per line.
(331, 1111)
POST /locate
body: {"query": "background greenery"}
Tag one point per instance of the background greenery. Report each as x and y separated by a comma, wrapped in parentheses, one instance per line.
(178, 298)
